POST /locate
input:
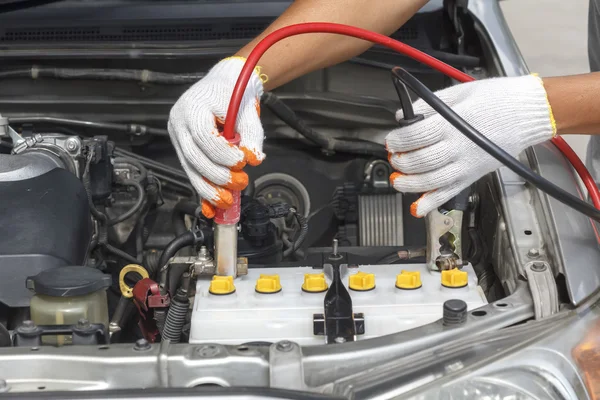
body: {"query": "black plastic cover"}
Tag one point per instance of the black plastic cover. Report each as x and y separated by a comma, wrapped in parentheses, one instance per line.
(44, 224)
(68, 281)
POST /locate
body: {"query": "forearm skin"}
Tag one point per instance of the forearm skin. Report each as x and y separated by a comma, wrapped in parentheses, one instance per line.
(575, 102)
(299, 55)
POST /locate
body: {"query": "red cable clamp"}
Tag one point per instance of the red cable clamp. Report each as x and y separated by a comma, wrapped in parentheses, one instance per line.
(146, 297)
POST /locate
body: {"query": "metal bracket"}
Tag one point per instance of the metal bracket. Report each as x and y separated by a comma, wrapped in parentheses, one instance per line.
(285, 366)
(319, 324)
(543, 288)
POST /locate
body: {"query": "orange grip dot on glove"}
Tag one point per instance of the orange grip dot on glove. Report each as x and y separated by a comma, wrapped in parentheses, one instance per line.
(208, 210)
(237, 181)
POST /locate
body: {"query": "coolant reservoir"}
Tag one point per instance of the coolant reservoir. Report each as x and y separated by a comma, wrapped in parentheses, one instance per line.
(65, 295)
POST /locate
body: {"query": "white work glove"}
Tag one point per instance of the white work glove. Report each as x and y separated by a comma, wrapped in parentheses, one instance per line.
(434, 158)
(212, 164)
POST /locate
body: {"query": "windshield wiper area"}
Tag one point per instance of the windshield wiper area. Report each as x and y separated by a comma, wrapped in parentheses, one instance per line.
(17, 5)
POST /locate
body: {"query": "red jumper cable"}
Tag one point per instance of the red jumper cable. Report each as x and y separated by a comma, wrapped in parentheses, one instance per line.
(347, 30)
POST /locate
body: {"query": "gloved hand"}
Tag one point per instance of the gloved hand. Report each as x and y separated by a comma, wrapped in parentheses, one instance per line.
(213, 165)
(434, 158)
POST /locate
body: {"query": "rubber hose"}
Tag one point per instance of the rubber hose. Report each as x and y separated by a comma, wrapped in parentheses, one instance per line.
(88, 191)
(287, 115)
(136, 75)
(133, 129)
(136, 207)
(151, 262)
(176, 317)
(186, 239)
(181, 209)
(120, 253)
(160, 316)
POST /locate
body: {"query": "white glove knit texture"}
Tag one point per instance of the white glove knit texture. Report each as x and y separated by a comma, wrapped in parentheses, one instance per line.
(206, 155)
(433, 157)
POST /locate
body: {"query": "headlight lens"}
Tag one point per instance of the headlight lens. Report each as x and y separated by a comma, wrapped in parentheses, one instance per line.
(556, 358)
(515, 384)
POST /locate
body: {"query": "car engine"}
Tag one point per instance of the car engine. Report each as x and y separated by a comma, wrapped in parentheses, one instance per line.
(108, 267)
(321, 234)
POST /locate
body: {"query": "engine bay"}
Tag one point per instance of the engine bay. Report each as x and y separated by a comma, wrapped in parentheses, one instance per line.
(106, 254)
(321, 232)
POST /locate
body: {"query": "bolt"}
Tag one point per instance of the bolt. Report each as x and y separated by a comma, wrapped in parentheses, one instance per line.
(142, 345)
(284, 345)
(533, 253)
(72, 145)
(242, 266)
(334, 247)
(113, 327)
(447, 221)
(208, 350)
(27, 326)
(339, 339)
(203, 251)
(3, 386)
(538, 266)
(83, 323)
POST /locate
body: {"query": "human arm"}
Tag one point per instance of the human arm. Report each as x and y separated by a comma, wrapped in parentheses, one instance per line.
(213, 166)
(299, 55)
(432, 157)
(575, 102)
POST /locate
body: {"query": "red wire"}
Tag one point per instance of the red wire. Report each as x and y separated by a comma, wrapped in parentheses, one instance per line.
(579, 166)
(324, 27)
(347, 30)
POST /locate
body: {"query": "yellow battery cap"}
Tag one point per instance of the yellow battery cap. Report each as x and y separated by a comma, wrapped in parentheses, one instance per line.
(455, 278)
(221, 285)
(362, 281)
(314, 283)
(268, 284)
(408, 280)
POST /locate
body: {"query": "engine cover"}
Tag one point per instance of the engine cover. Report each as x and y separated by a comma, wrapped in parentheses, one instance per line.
(247, 316)
(44, 222)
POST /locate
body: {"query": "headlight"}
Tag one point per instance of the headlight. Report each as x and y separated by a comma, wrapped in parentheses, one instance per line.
(556, 358)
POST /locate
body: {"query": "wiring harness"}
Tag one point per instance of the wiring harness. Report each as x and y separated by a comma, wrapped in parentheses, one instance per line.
(429, 97)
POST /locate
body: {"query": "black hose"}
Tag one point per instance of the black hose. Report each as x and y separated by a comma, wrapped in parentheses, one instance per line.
(181, 241)
(139, 239)
(160, 316)
(176, 317)
(136, 75)
(492, 149)
(120, 253)
(287, 115)
(132, 129)
(161, 171)
(136, 207)
(151, 262)
(181, 209)
(151, 164)
(301, 236)
(262, 252)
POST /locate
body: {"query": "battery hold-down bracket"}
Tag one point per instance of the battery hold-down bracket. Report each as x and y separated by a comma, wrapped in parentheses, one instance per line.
(339, 324)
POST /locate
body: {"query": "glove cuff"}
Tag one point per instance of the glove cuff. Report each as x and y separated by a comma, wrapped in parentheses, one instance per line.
(531, 109)
(552, 119)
